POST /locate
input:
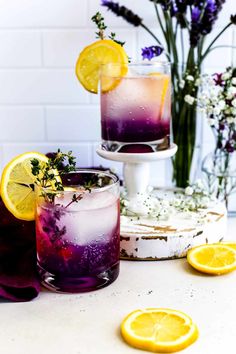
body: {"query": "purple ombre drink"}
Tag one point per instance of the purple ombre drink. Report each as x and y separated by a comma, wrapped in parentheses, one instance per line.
(136, 109)
(78, 241)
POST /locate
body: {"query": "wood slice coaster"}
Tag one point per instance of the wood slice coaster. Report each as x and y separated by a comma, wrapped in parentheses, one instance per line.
(150, 239)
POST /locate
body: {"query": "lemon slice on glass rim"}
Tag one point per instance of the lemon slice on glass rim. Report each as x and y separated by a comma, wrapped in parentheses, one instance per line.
(159, 330)
(18, 185)
(93, 57)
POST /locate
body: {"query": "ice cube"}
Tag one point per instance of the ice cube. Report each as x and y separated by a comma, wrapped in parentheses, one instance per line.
(92, 219)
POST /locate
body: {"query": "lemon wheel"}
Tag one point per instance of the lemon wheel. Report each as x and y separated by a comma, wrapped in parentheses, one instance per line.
(159, 330)
(217, 258)
(17, 185)
(92, 58)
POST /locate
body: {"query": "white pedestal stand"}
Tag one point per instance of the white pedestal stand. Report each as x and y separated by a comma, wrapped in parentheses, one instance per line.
(147, 238)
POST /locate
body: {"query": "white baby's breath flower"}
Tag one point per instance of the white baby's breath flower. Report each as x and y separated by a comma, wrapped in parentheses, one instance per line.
(199, 184)
(126, 203)
(221, 104)
(234, 102)
(211, 122)
(188, 190)
(189, 99)
(231, 120)
(189, 78)
(165, 203)
(225, 76)
(233, 81)
(198, 82)
(227, 111)
(231, 92)
(150, 189)
(233, 111)
(181, 84)
(216, 111)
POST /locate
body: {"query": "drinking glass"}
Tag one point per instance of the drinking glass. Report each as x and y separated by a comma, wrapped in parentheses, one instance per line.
(135, 107)
(78, 232)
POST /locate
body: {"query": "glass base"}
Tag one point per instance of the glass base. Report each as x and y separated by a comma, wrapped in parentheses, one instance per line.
(66, 284)
(137, 147)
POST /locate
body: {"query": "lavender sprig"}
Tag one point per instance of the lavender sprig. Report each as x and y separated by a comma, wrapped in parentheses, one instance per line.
(123, 11)
(151, 52)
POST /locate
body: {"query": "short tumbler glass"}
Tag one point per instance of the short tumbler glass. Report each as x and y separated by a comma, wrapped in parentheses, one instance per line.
(136, 107)
(78, 232)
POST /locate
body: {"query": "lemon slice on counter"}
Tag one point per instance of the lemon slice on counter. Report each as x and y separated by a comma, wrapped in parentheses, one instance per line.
(217, 258)
(159, 330)
(17, 185)
(95, 55)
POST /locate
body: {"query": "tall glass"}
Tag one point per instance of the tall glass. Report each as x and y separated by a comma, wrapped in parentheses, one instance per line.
(78, 232)
(135, 107)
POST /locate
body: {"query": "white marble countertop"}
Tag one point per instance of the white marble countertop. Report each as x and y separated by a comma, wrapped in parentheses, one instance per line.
(89, 323)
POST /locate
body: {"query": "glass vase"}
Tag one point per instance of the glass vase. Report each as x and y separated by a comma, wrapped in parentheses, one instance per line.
(219, 169)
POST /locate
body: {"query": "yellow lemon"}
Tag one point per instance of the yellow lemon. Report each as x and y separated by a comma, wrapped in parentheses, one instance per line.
(17, 185)
(159, 330)
(92, 58)
(215, 258)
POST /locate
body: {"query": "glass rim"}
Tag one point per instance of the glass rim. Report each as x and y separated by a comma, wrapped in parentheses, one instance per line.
(114, 178)
(163, 63)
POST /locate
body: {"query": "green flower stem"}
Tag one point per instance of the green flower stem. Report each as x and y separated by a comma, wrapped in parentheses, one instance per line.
(152, 34)
(214, 40)
(160, 22)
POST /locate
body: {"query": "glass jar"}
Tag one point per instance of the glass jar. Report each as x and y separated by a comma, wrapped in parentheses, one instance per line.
(219, 169)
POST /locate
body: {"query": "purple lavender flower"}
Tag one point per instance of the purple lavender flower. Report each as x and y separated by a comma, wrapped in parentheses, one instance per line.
(122, 11)
(195, 26)
(151, 52)
(209, 17)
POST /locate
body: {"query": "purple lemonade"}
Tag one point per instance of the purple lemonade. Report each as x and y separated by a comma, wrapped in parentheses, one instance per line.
(136, 110)
(78, 241)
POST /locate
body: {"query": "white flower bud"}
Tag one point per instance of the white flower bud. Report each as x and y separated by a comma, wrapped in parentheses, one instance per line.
(233, 81)
(189, 190)
(198, 82)
(199, 184)
(225, 76)
(231, 120)
(181, 84)
(221, 104)
(232, 90)
(233, 111)
(189, 99)
(190, 78)
(234, 102)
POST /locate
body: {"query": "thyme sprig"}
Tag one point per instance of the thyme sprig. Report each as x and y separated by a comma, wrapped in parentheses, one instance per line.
(48, 174)
(98, 19)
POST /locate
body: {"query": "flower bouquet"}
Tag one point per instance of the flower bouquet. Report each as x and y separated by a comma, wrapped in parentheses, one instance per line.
(218, 102)
(176, 18)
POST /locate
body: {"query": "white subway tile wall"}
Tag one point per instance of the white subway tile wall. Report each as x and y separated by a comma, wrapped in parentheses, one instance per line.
(42, 106)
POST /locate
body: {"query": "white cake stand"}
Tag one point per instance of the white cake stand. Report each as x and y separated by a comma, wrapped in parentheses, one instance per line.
(147, 238)
(136, 168)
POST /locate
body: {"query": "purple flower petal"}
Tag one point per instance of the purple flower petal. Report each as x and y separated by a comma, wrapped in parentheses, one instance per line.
(151, 52)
